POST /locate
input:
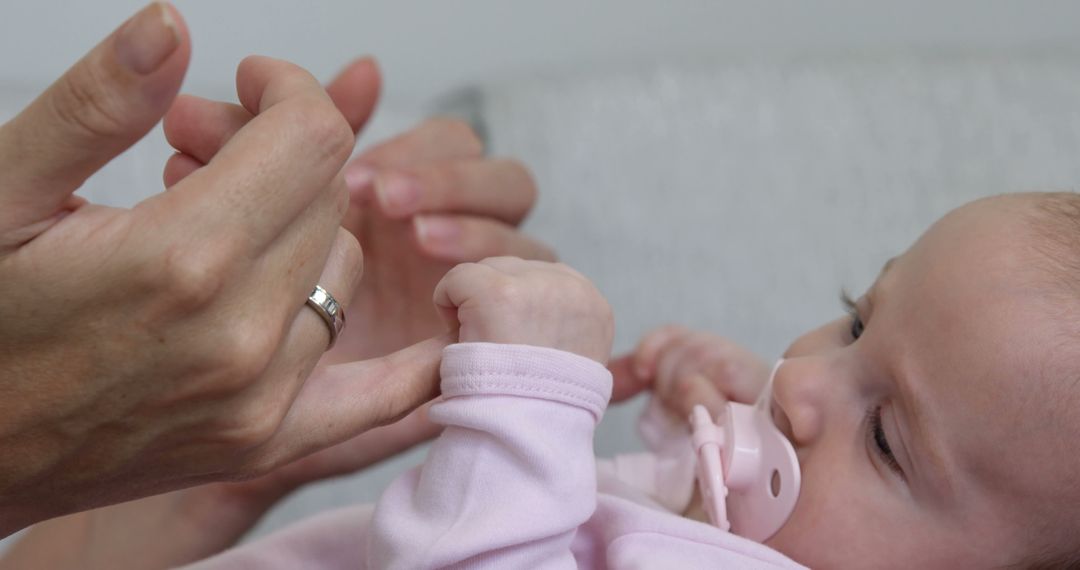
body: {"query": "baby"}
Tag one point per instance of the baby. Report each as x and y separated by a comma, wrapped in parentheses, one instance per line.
(935, 427)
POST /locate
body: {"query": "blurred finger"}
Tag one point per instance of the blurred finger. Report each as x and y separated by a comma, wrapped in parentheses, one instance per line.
(438, 138)
(692, 390)
(648, 350)
(671, 356)
(457, 239)
(502, 189)
(435, 139)
(625, 384)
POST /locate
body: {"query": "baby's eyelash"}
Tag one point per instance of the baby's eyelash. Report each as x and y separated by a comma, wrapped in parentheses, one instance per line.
(876, 433)
(857, 325)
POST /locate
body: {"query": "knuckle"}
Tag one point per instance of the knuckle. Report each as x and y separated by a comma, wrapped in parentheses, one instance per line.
(83, 103)
(244, 352)
(351, 256)
(249, 428)
(323, 126)
(190, 278)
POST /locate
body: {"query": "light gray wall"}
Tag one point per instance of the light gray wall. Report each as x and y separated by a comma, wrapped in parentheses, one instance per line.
(430, 46)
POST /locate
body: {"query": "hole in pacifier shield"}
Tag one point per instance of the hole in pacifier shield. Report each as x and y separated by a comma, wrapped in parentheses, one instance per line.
(774, 483)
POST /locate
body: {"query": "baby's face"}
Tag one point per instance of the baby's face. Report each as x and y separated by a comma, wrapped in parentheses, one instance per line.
(944, 435)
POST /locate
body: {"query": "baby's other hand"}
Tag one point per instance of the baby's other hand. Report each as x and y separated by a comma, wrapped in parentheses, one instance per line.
(513, 301)
(684, 367)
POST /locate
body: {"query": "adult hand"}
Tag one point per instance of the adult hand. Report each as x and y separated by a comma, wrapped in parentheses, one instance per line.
(422, 202)
(149, 349)
(199, 521)
(458, 185)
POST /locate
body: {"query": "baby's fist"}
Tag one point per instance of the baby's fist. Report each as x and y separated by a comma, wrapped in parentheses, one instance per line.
(508, 300)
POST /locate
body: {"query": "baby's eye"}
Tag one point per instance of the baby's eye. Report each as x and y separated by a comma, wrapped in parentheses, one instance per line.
(857, 325)
(877, 434)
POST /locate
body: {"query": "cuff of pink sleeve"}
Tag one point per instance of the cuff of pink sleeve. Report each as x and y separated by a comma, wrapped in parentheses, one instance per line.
(483, 368)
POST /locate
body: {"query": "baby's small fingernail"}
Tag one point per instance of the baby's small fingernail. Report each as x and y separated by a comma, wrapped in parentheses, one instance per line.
(398, 193)
(358, 178)
(641, 371)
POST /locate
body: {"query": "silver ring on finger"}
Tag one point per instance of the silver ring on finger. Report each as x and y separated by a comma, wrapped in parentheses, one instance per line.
(330, 310)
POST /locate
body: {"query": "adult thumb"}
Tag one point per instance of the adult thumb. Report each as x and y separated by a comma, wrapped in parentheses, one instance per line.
(101, 106)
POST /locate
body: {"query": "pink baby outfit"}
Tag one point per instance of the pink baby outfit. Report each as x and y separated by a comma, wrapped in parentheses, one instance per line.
(512, 482)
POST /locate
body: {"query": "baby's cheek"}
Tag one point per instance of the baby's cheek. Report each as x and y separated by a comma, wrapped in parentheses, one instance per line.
(836, 523)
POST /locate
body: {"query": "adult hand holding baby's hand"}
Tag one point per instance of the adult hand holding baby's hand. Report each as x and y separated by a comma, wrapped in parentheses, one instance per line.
(513, 301)
(685, 367)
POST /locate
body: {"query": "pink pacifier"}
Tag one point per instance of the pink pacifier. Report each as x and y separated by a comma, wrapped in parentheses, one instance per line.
(747, 470)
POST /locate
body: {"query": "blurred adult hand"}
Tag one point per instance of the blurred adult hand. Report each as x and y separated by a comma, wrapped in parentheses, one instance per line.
(153, 348)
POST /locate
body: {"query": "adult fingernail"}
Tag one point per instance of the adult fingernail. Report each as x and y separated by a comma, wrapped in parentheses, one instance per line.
(358, 178)
(439, 234)
(398, 193)
(147, 39)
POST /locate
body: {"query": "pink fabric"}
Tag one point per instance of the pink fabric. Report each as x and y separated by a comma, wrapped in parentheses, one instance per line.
(512, 483)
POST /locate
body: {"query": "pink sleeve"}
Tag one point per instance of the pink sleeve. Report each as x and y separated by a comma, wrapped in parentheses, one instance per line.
(513, 474)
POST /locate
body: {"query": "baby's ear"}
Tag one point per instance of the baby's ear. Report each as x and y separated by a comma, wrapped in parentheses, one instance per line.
(625, 384)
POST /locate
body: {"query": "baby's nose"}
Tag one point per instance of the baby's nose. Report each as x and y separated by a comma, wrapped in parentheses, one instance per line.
(797, 398)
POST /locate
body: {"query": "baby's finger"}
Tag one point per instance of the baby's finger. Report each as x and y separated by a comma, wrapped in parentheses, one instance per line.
(676, 356)
(648, 350)
(625, 384)
(694, 352)
(742, 373)
(502, 189)
(692, 390)
(456, 287)
(470, 238)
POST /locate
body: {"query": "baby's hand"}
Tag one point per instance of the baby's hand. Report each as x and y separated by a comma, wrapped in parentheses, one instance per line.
(685, 367)
(512, 301)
